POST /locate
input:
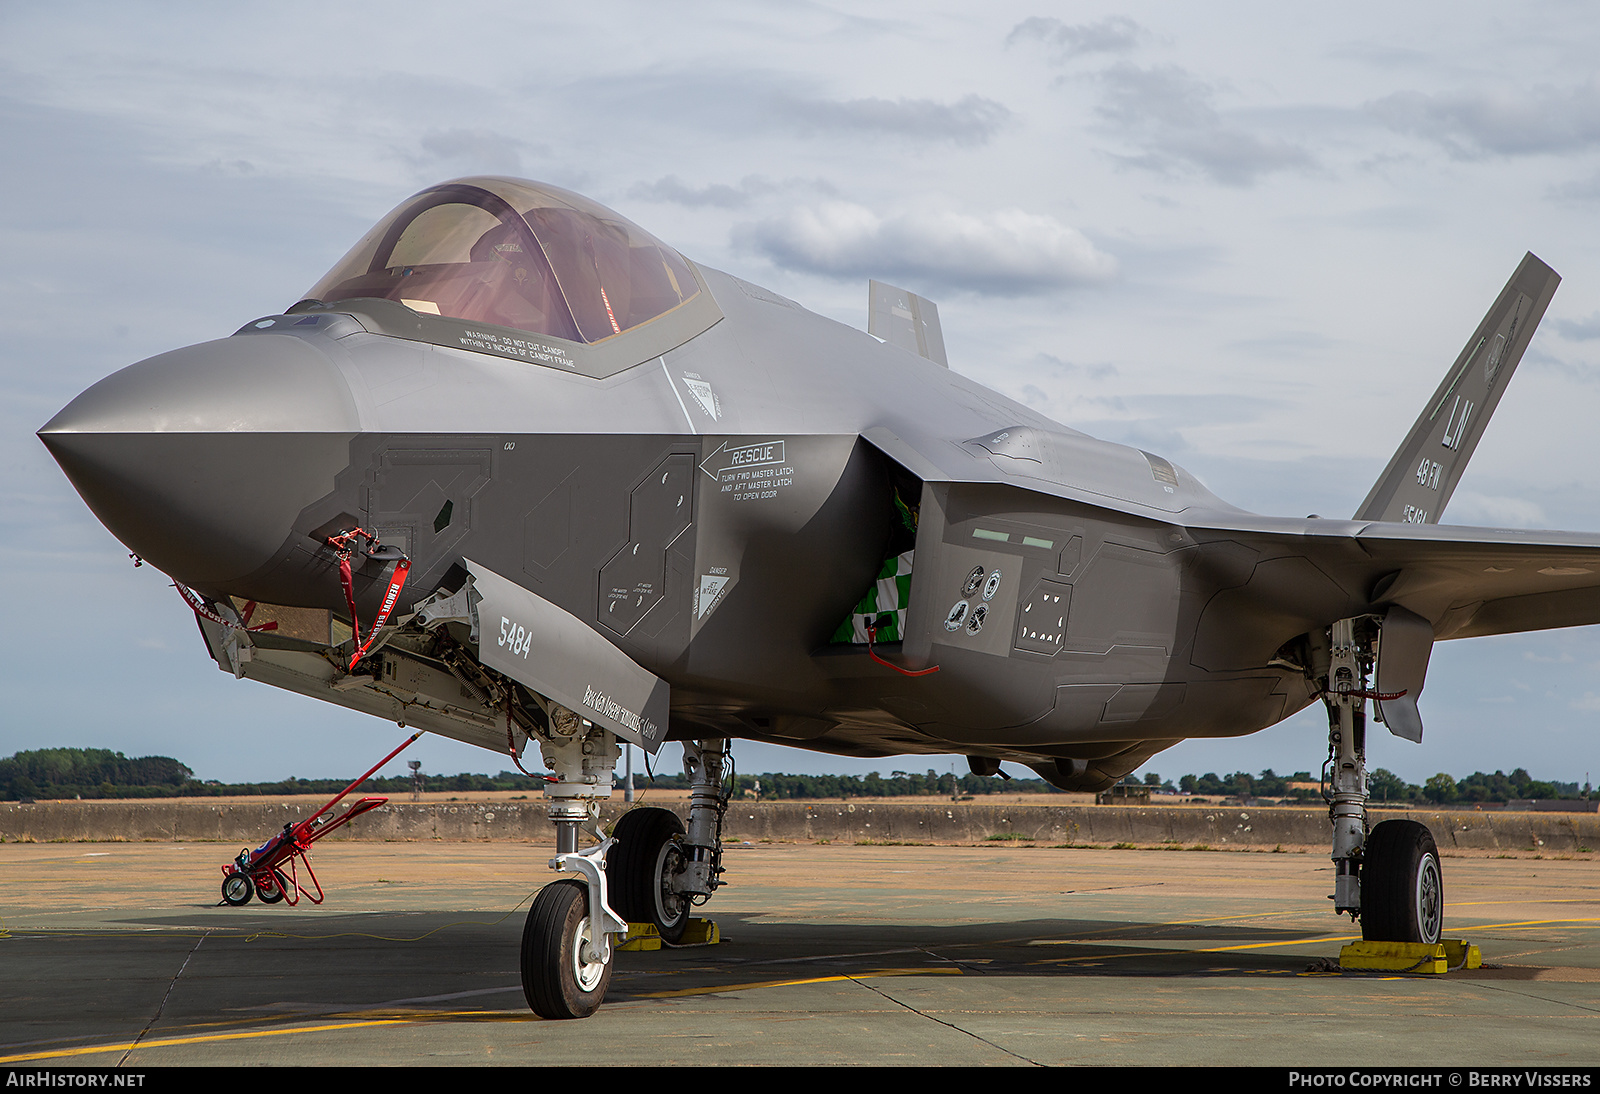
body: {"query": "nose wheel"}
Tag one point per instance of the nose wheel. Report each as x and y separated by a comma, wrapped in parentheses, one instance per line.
(566, 963)
(1402, 888)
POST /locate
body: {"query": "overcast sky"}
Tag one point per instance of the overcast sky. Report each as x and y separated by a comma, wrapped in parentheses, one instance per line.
(1246, 236)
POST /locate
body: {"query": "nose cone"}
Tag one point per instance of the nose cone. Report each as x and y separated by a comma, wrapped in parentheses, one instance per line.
(201, 459)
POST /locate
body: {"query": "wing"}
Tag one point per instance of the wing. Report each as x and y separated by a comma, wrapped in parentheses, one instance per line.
(1465, 582)
(1420, 582)
(1476, 581)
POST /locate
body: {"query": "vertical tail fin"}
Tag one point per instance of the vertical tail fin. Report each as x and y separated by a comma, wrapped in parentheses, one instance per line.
(1424, 470)
(906, 320)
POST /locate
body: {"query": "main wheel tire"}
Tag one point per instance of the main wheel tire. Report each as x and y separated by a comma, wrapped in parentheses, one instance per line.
(640, 868)
(273, 891)
(556, 979)
(1402, 887)
(237, 890)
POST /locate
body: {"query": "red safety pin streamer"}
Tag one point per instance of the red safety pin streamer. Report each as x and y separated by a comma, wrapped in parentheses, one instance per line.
(872, 634)
(344, 545)
(198, 605)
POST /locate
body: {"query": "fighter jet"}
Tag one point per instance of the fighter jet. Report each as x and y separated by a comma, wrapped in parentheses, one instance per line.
(519, 473)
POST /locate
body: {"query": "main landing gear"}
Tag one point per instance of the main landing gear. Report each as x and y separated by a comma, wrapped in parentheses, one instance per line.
(650, 870)
(648, 858)
(1388, 877)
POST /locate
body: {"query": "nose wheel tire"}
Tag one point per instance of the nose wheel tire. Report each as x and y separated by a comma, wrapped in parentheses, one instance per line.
(237, 890)
(559, 978)
(640, 868)
(1402, 888)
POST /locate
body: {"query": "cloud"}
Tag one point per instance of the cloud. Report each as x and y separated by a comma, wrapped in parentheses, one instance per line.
(1590, 702)
(1167, 110)
(1491, 511)
(472, 152)
(1062, 367)
(1292, 343)
(1476, 125)
(970, 120)
(671, 190)
(1579, 330)
(1578, 191)
(746, 104)
(1006, 253)
(1116, 34)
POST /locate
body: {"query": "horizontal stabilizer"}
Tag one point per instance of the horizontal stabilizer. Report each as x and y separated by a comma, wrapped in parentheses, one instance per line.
(906, 320)
(1423, 472)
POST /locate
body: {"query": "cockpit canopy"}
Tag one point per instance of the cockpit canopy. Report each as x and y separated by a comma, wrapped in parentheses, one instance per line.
(515, 254)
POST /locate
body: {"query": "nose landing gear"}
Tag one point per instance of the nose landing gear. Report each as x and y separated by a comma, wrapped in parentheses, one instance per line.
(566, 943)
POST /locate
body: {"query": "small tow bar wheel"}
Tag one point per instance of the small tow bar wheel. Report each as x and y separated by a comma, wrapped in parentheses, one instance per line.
(640, 870)
(1402, 888)
(559, 978)
(269, 889)
(237, 890)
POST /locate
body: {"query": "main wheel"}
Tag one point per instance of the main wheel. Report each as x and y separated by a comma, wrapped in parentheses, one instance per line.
(1402, 888)
(557, 979)
(237, 890)
(271, 889)
(640, 869)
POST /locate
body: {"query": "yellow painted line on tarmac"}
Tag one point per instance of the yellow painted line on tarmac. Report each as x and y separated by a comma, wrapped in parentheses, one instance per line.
(1290, 942)
(679, 993)
(56, 1054)
(1528, 900)
(1157, 950)
(1157, 946)
(1584, 923)
(1207, 920)
(1096, 958)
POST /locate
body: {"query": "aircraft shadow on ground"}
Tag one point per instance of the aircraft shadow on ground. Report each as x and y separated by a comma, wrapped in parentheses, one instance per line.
(407, 949)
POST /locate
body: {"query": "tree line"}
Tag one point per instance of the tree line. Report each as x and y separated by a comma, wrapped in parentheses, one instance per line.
(1384, 785)
(102, 773)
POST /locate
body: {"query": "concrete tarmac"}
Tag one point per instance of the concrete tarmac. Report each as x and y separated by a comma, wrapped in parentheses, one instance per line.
(115, 954)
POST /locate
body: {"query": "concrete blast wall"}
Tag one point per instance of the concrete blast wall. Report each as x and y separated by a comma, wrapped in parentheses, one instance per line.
(851, 822)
